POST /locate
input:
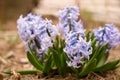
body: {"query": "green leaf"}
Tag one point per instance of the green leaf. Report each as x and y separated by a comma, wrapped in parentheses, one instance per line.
(56, 43)
(92, 36)
(88, 68)
(75, 71)
(62, 46)
(47, 66)
(66, 57)
(24, 72)
(30, 49)
(62, 43)
(34, 61)
(88, 35)
(108, 66)
(94, 43)
(57, 60)
(63, 64)
(63, 60)
(95, 53)
(102, 55)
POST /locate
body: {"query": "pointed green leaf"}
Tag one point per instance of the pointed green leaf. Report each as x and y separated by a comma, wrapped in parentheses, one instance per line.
(63, 60)
(88, 35)
(102, 55)
(56, 43)
(75, 71)
(88, 68)
(63, 64)
(95, 53)
(94, 43)
(62, 43)
(23, 72)
(92, 36)
(57, 60)
(34, 61)
(47, 67)
(108, 66)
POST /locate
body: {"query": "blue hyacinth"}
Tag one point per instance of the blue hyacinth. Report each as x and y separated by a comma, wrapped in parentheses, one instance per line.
(77, 49)
(108, 34)
(44, 34)
(68, 13)
(68, 21)
(40, 32)
(26, 26)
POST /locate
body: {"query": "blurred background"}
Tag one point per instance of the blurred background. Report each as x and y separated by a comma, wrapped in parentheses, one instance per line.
(94, 13)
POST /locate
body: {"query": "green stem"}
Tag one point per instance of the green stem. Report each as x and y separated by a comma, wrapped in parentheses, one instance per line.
(23, 72)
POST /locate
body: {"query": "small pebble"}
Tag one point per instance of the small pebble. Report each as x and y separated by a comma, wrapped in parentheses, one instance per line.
(23, 60)
(10, 54)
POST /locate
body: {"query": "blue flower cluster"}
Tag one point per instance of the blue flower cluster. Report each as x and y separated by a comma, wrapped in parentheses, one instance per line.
(26, 26)
(108, 34)
(40, 32)
(68, 21)
(68, 13)
(77, 49)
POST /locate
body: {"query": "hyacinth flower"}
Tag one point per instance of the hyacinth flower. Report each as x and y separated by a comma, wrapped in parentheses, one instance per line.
(103, 39)
(33, 27)
(108, 34)
(38, 35)
(45, 33)
(26, 26)
(77, 49)
(68, 21)
(43, 46)
(76, 52)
